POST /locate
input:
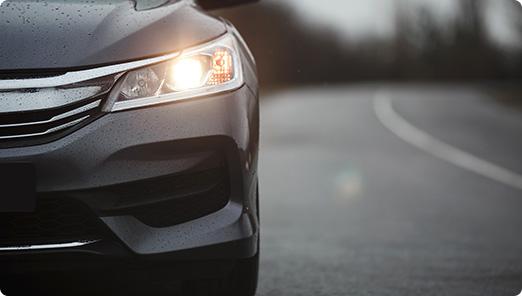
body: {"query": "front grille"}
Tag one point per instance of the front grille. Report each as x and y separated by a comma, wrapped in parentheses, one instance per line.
(55, 220)
(41, 125)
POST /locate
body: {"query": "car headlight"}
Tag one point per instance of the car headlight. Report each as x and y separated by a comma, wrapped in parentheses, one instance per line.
(204, 70)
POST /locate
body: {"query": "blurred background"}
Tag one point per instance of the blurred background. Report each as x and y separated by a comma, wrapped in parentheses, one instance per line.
(391, 144)
(300, 42)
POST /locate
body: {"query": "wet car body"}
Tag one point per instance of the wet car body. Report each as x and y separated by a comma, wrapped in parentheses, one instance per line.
(163, 189)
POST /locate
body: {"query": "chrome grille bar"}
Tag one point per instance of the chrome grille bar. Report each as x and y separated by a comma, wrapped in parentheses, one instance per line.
(57, 117)
(38, 106)
(51, 130)
(47, 98)
(80, 76)
(48, 246)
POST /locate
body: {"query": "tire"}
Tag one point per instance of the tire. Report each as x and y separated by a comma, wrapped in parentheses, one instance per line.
(241, 281)
(244, 278)
(25, 285)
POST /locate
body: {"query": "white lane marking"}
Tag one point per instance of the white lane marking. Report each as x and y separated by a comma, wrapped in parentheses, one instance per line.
(416, 137)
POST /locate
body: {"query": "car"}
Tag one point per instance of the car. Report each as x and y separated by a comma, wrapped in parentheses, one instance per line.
(129, 134)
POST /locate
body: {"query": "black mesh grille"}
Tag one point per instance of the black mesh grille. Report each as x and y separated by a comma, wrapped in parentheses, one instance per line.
(159, 202)
(55, 220)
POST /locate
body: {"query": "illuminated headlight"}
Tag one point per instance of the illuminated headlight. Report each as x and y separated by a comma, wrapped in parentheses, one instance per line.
(204, 70)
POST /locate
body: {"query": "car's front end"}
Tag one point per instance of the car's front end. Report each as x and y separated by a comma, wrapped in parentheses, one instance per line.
(142, 153)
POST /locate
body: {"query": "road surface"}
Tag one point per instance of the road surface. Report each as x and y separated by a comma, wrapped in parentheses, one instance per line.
(374, 190)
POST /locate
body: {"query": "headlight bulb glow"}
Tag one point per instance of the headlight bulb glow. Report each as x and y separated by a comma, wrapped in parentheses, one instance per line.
(187, 73)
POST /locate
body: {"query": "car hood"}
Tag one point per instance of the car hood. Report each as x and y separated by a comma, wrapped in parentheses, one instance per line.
(54, 34)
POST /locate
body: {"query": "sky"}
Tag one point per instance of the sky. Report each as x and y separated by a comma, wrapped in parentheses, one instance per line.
(356, 18)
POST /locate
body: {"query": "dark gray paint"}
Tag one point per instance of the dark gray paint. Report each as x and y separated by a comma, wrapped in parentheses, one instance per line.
(225, 225)
(92, 156)
(57, 35)
(122, 147)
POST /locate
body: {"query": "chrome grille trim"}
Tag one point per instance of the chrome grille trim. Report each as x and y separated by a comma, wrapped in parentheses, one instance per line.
(47, 98)
(32, 108)
(51, 130)
(80, 76)
(57, 117)
(48, 246)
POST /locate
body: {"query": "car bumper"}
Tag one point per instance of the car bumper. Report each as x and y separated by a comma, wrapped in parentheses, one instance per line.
(159, 152)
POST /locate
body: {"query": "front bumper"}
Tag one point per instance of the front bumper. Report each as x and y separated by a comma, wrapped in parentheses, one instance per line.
(146, 145)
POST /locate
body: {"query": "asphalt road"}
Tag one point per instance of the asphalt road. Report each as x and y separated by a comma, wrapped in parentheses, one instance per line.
(351, 207)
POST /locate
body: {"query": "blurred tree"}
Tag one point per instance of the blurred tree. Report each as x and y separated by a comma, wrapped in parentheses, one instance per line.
(291, 51)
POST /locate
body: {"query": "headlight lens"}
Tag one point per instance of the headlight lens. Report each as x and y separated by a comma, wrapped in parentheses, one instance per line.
(140, 83)
(204, 70)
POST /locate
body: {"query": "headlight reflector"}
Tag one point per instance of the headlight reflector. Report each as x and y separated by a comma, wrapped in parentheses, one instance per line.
(203, 70)
(140, 83)
(222, 67)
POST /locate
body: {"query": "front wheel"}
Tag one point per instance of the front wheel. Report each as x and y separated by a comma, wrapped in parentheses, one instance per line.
(244, 277)
(241, 281)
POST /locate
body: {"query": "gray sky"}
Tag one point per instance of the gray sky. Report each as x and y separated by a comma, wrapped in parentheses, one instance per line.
(354, 18)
